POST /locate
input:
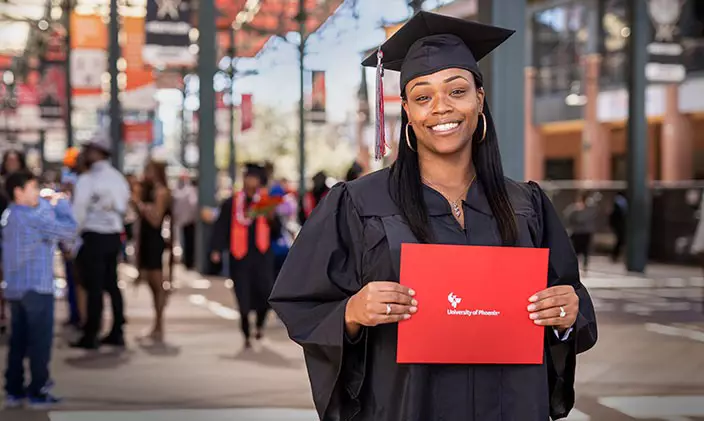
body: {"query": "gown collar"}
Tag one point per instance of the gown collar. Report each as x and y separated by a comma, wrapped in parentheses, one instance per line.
(437, 204)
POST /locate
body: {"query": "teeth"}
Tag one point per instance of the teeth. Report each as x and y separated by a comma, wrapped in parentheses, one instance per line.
(444, 127)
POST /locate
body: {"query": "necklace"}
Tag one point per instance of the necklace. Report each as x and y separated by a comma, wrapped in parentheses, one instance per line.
(454, 204)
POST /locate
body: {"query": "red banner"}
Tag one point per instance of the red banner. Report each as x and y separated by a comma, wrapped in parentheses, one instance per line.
(142, 132)
(247, 112)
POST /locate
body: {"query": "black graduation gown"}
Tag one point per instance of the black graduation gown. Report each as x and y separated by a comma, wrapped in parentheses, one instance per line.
(354, 237)
(253, 275)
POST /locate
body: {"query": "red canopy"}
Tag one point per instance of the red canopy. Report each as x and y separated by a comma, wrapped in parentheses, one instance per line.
(275, 17)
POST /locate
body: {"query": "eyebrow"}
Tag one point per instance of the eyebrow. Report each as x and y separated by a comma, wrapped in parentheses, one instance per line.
(448, 80)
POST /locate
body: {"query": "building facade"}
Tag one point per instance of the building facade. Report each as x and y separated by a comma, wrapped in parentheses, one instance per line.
(577, 99)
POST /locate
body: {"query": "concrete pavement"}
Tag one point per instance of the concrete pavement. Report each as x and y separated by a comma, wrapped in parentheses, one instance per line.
(648, 364)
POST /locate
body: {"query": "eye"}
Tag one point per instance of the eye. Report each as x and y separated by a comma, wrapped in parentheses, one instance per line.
(422, 98)
(458, 92)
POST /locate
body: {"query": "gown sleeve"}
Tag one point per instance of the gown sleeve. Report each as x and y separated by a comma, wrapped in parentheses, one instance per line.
(322, 271)
(563, 269)
(220, 239)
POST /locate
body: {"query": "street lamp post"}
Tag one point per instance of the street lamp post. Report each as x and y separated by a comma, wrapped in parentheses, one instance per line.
(302, 106)
(115, 109)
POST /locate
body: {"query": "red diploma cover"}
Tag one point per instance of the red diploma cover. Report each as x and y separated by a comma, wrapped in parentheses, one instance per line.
(472, 304)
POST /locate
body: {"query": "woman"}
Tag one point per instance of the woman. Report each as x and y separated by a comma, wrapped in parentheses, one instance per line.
(153, 206)
(12, 161)
(338, 292)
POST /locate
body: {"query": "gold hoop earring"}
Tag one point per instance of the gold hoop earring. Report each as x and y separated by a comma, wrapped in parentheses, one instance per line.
(484, 127)
(408, 139)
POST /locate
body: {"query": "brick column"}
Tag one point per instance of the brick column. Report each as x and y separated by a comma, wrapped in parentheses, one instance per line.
(535, 150)
(676, 140)
(596, 137)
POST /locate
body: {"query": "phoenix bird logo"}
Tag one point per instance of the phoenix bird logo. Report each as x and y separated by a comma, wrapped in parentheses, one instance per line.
(453, 299)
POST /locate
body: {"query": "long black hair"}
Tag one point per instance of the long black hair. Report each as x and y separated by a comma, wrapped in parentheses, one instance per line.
(6, 157)
(407, 187)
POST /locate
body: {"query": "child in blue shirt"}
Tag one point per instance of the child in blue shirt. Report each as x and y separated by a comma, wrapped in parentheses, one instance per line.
(31, 229)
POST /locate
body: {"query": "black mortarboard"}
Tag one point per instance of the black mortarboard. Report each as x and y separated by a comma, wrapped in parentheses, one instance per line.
(429, 43)
(255, 170)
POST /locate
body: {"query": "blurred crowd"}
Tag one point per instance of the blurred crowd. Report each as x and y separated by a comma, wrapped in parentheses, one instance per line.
(92, 218)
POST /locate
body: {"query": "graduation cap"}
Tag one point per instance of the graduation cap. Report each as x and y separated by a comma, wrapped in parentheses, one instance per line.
(256, 170)
(426, 44)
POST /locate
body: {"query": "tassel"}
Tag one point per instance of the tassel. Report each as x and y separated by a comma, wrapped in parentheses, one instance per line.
(380, 143)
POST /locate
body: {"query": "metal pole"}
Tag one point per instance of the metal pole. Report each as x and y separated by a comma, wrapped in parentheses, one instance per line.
(184, 134)
(302, 104)
(638, 222)
(68, 9)
(206, 125)
(231, 107)
(115, 111)
(504, 82)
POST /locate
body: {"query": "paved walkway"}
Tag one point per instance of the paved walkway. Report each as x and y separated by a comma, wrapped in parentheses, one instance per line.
(648, 365)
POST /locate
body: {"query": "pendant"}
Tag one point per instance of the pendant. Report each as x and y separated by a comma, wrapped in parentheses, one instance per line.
(456, 209)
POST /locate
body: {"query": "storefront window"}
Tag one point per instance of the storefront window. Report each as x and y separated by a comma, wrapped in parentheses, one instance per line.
(560, 38)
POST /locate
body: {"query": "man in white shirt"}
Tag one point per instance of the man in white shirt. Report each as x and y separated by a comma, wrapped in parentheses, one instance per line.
(100, 203)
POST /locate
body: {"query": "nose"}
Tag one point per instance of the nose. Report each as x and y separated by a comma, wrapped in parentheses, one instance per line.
(441, 105)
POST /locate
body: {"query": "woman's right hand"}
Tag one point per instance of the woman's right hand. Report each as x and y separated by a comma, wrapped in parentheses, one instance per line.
(371, 305)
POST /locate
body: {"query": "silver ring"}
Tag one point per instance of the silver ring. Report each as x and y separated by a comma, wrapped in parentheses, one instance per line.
(562, 312)
(388, 309)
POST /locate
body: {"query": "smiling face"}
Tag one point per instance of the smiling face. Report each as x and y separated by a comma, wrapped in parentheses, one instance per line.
(443, 110)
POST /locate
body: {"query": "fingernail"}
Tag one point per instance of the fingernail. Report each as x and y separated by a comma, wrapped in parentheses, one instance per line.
(533, 299)
(537, 322)
(414, 302)
(406, 316)
(411, 292)
(533, 316)
(532, 307)
(413, 309)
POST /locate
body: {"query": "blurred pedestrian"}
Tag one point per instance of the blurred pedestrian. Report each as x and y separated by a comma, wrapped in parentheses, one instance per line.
(354, 172)
(185, 210)
(581, 217)
(247, 226)
(617, 220)
(154, 208)
(12, 161)
(31, 229)
(314, 196)
(69, 177)
(100, 204)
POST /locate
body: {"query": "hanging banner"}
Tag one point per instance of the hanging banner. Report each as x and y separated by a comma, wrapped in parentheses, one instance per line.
(89, 57)
(52, 91)
(167, 27)
(318, 94)
(247, 112)
(665, 61)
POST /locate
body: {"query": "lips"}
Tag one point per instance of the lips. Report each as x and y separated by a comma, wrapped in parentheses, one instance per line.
(445, 127)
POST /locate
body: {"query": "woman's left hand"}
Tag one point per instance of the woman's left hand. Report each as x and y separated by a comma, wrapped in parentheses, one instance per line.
(547, 306)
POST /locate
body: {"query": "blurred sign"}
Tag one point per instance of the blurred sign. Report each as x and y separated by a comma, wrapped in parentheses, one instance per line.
(52, 91)
(138, 132)
(247, 112)
(87, 68)
(167, 29)
(89, 58)
(317, 109)
(665, 50)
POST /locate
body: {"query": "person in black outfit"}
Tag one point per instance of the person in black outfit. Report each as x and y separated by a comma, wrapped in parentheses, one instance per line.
(248, 235)
(153, 207)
